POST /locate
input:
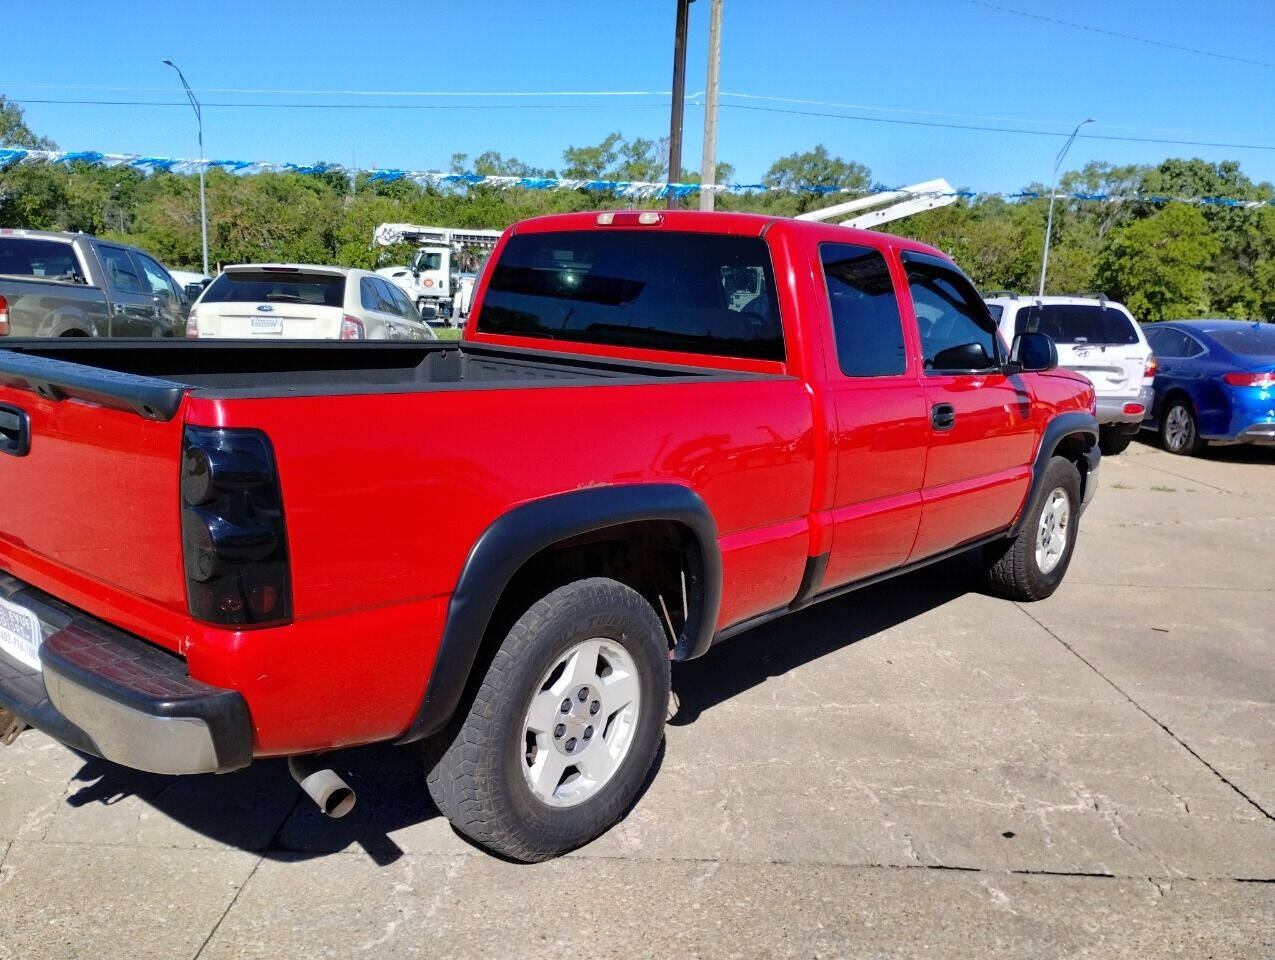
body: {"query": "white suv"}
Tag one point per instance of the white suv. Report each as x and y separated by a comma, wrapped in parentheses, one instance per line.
(1096, 337)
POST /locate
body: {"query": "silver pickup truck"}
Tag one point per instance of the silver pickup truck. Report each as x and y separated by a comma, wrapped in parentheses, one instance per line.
(74, 285)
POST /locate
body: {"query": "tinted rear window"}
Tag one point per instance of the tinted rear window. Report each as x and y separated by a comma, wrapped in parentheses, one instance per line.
(1249, 341)
(1076, 323)
(37, 258)
(267, 286)
(693, 292)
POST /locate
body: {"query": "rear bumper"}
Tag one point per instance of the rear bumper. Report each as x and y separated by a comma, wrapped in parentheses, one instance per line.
(1262, 433)
(1111, 409)
(113, 695)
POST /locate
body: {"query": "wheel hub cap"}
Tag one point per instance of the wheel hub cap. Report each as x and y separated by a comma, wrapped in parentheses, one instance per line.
(1052, 532)
(1177, 428)
(580, 722)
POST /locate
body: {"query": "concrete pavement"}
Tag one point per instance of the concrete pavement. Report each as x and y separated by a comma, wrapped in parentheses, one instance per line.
(914, 770)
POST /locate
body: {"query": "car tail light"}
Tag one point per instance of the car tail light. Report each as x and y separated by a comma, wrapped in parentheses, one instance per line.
(234, 541)
(1250, 379)
(192, 326)
(1133, 409)
(4, 317)
(1152, 368)
(351, 328)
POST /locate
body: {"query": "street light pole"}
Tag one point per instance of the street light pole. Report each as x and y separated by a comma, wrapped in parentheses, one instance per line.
(203, 201)
(1049, 221)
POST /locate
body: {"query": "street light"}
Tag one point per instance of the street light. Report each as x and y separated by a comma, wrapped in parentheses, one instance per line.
(1049, 222)
(203, 202)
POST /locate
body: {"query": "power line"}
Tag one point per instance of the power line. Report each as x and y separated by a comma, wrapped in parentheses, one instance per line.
(594, 106)
(1122, 36)
(1015, 130)
(347, 93)
(960, 116)
(346, 106)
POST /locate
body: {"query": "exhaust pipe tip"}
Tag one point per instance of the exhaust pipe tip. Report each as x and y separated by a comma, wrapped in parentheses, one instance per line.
(323, 785)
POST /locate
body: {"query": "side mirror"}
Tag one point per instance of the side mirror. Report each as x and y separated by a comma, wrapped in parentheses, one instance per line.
(1033, 353)
(192, 291)
(967, 356)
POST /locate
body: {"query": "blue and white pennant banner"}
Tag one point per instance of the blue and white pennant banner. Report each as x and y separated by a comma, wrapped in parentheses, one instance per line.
(635, 189)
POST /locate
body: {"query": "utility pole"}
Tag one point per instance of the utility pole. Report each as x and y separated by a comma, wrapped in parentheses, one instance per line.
(708, 167)
(203, 202)
(1049, 221)
(679, 98)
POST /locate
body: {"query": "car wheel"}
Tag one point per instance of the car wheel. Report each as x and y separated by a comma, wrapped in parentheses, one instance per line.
(564, 727)
(1112, 441)
(1031, 565)
(1179, 430)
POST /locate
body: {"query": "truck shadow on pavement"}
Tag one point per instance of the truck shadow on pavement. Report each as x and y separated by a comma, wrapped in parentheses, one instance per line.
(752, 658)
(260, 809)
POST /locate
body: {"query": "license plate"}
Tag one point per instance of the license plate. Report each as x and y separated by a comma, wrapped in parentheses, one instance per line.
(267, 325)
(20, 634)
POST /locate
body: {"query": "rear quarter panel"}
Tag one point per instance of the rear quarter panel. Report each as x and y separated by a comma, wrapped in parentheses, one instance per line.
(385, 495)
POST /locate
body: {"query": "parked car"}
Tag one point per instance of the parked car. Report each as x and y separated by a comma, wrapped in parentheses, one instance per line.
(191, 281)
(1216, 383)
(661, 429)
(304, 302)
(74, 285)
(1096, 337)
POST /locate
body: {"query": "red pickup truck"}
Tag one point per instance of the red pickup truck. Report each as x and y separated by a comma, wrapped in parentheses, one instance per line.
(662, 428)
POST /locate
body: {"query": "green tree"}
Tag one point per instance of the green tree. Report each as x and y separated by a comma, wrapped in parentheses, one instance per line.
(813, 168)
(1158, 266)
(14, 131)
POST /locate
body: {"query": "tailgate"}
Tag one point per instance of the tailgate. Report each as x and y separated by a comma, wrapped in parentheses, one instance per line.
(90, 493)
(287, 321)
(1113, 369)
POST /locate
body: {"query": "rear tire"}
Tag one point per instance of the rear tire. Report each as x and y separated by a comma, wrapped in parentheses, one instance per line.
(1180, 430)
(1031, 565)
(1113, 441)
(493, 773)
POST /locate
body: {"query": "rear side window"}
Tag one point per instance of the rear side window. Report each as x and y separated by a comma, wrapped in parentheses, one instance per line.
(996, 310)
(50, 259)
(691, 292)
(271, 286)
(865, 312)
(1254, 341)
(1076, 323)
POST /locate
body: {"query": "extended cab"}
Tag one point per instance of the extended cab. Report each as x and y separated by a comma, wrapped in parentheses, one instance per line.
(74, 285)
(661, 429)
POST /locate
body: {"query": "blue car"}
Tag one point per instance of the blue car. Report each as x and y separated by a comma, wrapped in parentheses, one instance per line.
(1215, 383)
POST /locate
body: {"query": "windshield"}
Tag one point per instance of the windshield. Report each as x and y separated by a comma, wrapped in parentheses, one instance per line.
(1076, 323)
(277, 286)
(698, 293)
(1254, 341)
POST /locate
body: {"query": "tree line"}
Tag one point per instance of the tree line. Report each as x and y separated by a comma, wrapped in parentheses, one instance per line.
(1164, 260)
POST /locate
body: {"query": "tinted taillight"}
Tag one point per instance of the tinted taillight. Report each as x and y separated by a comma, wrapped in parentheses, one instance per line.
(234, 541)
(1152, 367)
(351, 328)
(192, 325)
(1250, 379)
(4, 317)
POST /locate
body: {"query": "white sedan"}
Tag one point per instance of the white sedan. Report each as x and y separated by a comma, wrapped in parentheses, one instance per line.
(293, 301)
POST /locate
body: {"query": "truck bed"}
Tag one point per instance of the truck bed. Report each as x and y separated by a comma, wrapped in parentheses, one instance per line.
(151, 376)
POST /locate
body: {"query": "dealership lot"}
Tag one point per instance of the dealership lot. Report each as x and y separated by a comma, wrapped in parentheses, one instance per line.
(914, 768)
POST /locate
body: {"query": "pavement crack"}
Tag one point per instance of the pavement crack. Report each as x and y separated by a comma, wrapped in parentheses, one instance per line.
(1150, 716)
(230, 906)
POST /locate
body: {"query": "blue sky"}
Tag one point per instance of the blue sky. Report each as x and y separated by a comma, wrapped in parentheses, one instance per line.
(916, 60)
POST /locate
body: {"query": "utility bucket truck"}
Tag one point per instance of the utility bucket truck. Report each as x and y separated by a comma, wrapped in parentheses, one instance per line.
(436, 280)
